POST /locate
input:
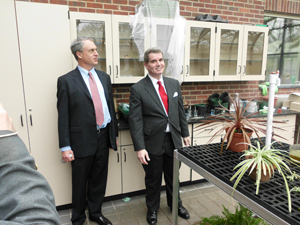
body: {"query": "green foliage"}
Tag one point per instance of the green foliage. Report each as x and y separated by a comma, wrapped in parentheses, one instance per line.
(242, 216)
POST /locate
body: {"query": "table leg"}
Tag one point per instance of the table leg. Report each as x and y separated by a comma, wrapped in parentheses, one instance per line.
(175, 189)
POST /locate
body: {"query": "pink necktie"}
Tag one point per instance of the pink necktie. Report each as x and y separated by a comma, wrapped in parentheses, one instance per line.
(96, 100)
(163, 95)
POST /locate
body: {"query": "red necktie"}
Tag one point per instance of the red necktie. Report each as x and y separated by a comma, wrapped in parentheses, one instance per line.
(163, 95)
(96, 100)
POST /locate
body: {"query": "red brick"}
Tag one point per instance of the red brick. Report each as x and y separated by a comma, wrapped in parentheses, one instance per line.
(113, 7)
(198, 4)
(216, 12)
(182, 13)
(244, 10)
(238, 4)
(120, 13)
(41, 1)
(134, 3)
(59, 2)
(76, 3)
(73, 9)
(191, 9)
(121, 2)
(95, 5)
(87, 10)
(210, 6)
(127, 8)
(185, 3)
(249, 15)
(104, 1)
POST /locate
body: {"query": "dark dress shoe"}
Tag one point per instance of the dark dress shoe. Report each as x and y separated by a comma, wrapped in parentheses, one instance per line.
(183, 213)
(152, 217)
(100, 220)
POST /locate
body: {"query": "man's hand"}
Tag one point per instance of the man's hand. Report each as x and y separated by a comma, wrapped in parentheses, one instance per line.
(187, 141)
(5, 121)
(143, 156)
(67, 156)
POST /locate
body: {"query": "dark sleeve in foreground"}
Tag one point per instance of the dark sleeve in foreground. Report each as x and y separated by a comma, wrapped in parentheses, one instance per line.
(26, 196)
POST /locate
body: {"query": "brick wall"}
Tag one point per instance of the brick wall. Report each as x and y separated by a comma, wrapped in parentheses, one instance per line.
(235, 11)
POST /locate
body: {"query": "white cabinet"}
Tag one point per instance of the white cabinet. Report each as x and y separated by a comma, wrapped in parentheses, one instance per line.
(241, 52)
(222, 52)
(33, 59)
(289, 128)
(199, 51)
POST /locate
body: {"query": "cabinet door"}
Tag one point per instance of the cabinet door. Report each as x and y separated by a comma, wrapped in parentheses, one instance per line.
(11, 86)
(228, 58)
(199, 51)
(97, 27)
(114, 179)
(132, 170)
(255, 47)
(44, 48)
(128, 56)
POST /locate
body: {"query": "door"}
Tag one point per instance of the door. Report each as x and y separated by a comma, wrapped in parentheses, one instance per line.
(97, 27)
(255, 47)
(199, 51)
(228, 58)
(44, 38)
(11, 86)
(128, 52)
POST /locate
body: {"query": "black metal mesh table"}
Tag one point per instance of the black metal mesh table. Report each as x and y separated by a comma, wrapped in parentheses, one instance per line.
(270, 203)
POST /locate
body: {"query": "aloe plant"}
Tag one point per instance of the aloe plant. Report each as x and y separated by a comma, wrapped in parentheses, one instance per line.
(262, 160)
(237, 122)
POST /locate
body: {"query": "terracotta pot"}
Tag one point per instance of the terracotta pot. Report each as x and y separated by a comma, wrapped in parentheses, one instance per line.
(238, 138)
(264, 178)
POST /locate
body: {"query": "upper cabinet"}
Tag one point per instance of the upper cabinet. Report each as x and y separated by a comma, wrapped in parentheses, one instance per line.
(224, 52)
(98, 27)
(199, 51)
(212, 51)
(241, 52)
(128, 52)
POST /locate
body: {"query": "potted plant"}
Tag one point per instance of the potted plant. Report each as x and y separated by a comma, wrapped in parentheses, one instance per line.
(236, 124)
(263, 162)
(241, 216)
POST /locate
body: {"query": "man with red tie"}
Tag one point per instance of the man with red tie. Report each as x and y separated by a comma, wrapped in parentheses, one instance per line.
(157, 123)
(87, 128)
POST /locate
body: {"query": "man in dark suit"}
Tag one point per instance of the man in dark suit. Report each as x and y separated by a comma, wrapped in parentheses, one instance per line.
(87, 127)
(157, 122)
(26, 196)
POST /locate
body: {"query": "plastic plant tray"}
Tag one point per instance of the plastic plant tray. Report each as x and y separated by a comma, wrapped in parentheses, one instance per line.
(272, 194)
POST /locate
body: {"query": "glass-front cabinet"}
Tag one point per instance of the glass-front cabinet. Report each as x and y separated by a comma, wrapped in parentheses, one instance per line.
(97, 27)
(128, 51)
(199, 51)
(255, 45)
(241, 52)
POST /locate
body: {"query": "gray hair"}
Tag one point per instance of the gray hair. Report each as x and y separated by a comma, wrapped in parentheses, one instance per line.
(151, 50)
(77, 45)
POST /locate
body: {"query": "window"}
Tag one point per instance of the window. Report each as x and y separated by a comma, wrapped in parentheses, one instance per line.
(284, 48)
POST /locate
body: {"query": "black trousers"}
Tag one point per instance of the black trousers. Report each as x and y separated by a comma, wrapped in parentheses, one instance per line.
(157, 165)
(89, 178)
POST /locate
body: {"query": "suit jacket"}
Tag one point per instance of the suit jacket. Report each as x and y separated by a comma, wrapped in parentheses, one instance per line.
(76, 113)
(148, 120)
(26, 196)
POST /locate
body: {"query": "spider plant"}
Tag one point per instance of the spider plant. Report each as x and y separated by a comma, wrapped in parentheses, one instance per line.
(237, 122)
(263, 161)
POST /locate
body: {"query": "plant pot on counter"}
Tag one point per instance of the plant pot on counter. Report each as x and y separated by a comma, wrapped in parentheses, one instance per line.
(238, 138)
(264, 178)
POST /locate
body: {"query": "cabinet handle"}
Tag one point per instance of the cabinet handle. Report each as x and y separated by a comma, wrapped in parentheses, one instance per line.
(240, 69)
(244, 70)
(30, 120)
(118, 157)
(124, 156)
(181, 70)
(285, 120)
(209, 129)
(117, 69)
(187, 69)
(21, 120)
(109, 69)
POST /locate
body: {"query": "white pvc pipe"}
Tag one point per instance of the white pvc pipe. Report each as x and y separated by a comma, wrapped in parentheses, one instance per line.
(272, 80)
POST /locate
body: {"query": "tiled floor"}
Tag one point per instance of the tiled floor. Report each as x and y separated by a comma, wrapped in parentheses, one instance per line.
(201, 200)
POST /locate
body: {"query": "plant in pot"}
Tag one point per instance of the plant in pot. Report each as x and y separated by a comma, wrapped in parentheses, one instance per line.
(238, 126)
(261, 164)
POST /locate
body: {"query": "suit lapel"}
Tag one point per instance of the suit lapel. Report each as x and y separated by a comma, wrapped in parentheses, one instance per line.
(104, 85)
(80, 82)
(152, 92)
(169, 89)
